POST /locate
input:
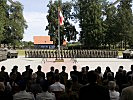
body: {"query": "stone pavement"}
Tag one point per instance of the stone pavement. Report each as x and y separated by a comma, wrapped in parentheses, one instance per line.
(113, 63)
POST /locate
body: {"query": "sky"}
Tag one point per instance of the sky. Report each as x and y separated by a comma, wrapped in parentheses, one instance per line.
(35, 12)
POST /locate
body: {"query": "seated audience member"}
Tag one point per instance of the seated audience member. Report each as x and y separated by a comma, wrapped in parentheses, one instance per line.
(127, 93)
(22, 94)
(69, 94)
(129, 82)
(109, 78)
(4, 95)
(93, 90)
(45, 95)
(114, 95)
(57, 87)
(75, 84)
(33, 85)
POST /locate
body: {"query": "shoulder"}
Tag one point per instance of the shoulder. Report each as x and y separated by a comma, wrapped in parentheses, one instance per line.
(128, 88)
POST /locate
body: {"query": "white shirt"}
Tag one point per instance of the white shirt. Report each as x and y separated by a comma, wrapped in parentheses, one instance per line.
(45, 96)
(57, 86)
(114, 95)
(23, 95)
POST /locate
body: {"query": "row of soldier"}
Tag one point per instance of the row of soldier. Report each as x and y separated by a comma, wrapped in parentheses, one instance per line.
(70, 54)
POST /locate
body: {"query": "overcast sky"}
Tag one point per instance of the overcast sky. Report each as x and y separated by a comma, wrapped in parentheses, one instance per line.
(35, 12)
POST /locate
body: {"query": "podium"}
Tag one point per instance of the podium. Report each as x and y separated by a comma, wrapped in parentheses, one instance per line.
(59, 60)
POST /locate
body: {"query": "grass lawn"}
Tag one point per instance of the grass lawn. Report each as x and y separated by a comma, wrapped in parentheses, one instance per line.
(21, 52)
(120, 53)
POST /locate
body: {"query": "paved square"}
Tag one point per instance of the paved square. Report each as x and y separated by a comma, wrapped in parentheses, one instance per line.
(113, 63)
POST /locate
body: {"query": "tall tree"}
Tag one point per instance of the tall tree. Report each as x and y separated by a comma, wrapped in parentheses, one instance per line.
(67, 31)
(3, 19)
(12, 22)
(15, 25)
(17, 22)
(125, 20)
(90, 17)
(112, 37)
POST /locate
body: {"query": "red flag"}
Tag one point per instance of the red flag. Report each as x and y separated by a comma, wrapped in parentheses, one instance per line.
(61, 18)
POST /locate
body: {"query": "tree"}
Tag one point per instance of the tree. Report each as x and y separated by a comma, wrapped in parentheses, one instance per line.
(17, 22)
(112, 37)
(90, 17)
(13, 22)
(67, 31)
(125, 21)
(3, 19)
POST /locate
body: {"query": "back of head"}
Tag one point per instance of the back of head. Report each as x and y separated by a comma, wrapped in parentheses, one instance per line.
(74, 67)
(121, 67)
(92, 76)
(112, 85)
(34, 76)
(87, 68)
(56, 71)
(44, 84)
(15, 67)
(99, 69)
(63, 68)
(52, 68)
(39, 67)
(27, 67)
(108, 69)
(3, 68)
(57, 78)
(83, 69)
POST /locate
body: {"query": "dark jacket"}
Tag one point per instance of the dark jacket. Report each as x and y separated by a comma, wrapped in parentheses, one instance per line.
(94, 91)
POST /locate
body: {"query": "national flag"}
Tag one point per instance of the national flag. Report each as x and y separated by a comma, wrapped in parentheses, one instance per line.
(61, 18)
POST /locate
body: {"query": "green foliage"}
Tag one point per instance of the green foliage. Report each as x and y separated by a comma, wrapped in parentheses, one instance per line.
(67, 31)
(90, 23)
(102, 24)
(125, 21)
(12, 22)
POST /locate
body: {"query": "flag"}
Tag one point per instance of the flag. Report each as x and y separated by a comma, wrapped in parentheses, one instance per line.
(61, 18)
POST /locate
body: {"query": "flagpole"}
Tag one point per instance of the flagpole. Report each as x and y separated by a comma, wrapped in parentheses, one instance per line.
(58, 29)
(59, 58)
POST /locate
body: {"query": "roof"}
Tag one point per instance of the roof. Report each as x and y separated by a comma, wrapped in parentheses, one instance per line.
(42, 40)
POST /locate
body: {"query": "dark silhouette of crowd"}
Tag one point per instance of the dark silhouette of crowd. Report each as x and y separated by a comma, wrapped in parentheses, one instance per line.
(56, 85)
